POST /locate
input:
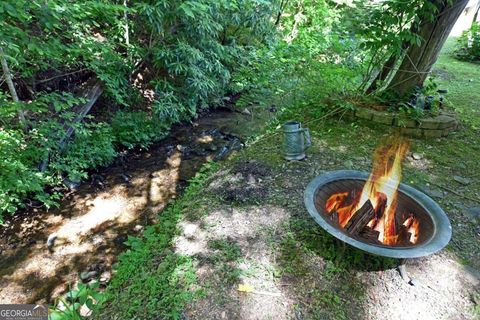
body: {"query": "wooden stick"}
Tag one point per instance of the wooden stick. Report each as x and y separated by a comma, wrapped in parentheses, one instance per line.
(360, 219)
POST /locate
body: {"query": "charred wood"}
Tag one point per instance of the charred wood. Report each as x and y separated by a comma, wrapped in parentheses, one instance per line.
(370, 235)
(360, 219)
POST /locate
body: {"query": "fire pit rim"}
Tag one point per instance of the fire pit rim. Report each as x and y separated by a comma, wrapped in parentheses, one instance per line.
(442, 227)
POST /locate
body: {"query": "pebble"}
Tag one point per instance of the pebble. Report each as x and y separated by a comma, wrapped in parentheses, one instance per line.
(138, 228)
(87, 275)
(246, 111)
(416, 156)
(105, 277)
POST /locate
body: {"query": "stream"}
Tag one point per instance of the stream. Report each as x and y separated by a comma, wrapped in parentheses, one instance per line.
(88, 229)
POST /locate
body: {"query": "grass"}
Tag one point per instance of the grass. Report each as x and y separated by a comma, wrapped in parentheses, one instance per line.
(153, 282)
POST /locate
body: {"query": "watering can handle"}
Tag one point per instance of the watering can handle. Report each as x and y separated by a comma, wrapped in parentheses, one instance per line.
(307, 137)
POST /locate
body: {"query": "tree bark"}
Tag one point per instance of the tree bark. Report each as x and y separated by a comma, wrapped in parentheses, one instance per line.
(419, 60)
(283, 4)
(383, 74)
(475, 16)
(11, 86)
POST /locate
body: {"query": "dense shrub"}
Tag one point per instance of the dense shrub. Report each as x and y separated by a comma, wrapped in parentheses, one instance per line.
(137, 129)
(468, 45)
(311, 63)
(92, 147)
(170, 57)
(18, 178)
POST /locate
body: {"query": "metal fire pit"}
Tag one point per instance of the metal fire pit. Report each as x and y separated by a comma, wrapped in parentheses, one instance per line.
(436, 236)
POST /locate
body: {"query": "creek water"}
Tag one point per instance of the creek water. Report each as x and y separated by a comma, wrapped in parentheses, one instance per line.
(92, 222)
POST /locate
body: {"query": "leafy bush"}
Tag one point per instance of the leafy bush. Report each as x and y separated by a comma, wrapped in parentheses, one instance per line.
(21, 153)
(468, 45)
(18, 178)
(91, 147)
(170, 56)
(137, 129)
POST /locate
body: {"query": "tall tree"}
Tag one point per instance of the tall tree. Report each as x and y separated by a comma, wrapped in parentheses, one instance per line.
(419, 58)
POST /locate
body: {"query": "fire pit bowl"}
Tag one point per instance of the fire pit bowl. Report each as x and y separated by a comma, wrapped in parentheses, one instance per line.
(436, 229)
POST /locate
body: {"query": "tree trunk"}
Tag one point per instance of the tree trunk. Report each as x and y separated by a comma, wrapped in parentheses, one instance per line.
(297, 18)
(11, 86)
(383, 74)
(419, 60)
(283, 4)
(475, 16)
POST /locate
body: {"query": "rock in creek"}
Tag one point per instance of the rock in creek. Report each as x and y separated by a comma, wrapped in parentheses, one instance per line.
(85, 276)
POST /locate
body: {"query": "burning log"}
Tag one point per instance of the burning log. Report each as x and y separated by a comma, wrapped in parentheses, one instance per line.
(361, 218)
(370, 235)
(381, 205)
(403, 235)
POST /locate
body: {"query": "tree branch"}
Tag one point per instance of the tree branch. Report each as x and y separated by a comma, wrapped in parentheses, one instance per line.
(11, 86)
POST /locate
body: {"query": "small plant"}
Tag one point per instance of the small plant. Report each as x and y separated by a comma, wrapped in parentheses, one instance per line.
(68, 308)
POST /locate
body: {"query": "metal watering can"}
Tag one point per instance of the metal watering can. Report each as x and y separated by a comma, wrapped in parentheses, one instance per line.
(296, 140)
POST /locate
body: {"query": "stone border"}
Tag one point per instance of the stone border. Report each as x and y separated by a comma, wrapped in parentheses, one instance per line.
(431, 127)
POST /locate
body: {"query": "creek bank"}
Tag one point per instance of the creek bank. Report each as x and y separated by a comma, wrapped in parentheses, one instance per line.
(94, 220)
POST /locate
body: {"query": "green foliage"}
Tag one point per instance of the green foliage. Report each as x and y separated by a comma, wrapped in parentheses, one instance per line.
(17, 177)
(468, 45)
(92, 147)
(137, 129)
(385, 29)
(176, 57)
(311, 64)
(152, 281)
(62, 35)
(195, 45)
(86, 295)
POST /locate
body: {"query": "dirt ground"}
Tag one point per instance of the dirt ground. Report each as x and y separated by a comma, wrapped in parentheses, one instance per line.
(263, 237)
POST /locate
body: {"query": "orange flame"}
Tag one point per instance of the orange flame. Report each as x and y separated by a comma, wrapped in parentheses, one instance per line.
(335, 201)
(381, 189)
(414, 230)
